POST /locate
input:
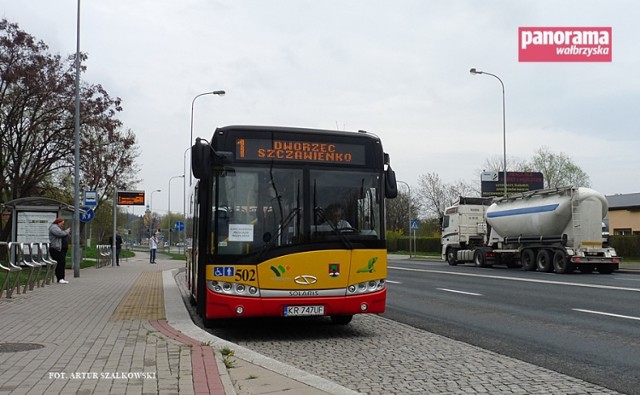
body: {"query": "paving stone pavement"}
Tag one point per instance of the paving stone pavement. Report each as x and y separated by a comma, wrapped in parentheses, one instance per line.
(126, 330)
(106, 333)
(90, 347)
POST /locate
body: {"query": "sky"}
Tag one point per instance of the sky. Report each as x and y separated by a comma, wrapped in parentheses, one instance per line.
(399, 69)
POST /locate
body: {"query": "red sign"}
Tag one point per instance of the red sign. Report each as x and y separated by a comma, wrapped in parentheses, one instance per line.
(564, 44)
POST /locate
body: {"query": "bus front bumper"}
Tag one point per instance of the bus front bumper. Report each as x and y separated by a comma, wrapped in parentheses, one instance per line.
(224, 306)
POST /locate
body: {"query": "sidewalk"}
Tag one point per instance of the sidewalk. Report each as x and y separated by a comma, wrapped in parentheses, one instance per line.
(126, 330)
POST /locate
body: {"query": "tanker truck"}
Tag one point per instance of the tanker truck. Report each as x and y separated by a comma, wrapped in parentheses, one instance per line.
(547, 230)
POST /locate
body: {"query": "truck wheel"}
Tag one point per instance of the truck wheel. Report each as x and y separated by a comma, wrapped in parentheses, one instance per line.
(544, 262)
(479, 258)
(528, 260)
(561, 264)
(451, 256)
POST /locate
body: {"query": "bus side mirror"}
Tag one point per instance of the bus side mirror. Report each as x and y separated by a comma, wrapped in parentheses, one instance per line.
(204, 158)
(390, 184)
(201, 158)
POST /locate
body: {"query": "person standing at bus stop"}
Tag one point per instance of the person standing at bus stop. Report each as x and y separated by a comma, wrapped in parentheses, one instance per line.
(58, 245)
(153, 247)
(118, 247)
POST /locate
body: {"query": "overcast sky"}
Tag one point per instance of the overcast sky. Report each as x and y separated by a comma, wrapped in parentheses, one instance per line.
(399, 69)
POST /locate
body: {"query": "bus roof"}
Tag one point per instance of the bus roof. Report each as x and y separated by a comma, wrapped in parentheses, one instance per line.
(288, 129)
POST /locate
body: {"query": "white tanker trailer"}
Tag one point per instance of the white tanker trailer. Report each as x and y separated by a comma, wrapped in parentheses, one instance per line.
(548, 230)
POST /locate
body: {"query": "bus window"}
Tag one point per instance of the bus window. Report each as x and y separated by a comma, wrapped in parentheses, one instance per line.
(259, 206)
(356, 192)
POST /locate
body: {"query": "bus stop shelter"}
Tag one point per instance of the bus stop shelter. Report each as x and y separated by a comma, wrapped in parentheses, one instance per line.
(31, 217)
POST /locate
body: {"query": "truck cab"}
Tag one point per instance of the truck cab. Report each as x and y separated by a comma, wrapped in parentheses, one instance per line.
(464, 227)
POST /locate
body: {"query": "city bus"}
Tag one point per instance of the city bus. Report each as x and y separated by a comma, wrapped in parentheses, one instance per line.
(263, 240)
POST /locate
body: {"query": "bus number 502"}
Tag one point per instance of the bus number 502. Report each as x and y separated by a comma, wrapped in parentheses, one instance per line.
(246, 275)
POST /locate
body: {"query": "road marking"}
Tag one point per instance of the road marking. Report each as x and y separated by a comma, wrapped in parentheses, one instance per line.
(394, 282)
(459, 292)
(608, 314)
(627, 279)
(527, 280)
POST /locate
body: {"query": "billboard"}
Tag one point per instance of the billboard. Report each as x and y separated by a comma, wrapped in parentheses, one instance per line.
(492, 182)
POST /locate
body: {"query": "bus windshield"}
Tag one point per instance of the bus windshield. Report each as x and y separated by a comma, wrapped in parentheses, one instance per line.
(265, 208)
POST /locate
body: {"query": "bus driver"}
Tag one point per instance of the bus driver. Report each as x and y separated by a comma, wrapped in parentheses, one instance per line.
(335, 214)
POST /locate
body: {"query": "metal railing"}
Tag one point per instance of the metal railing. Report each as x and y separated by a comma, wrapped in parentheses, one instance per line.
(103, 255)
(26, 262)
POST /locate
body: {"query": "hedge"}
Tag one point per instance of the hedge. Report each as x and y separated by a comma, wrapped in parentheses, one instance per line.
(626, 246)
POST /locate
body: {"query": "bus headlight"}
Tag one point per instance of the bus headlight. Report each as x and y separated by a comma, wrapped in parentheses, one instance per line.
(233, 289)
(366, 287)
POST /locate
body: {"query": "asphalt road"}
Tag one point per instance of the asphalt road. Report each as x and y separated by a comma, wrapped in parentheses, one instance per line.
(394, 354)
(583, 325)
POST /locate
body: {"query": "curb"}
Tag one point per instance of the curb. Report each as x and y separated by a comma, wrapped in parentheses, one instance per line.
(179, 319)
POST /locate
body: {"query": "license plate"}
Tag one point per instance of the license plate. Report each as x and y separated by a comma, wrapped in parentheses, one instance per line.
(302, 311)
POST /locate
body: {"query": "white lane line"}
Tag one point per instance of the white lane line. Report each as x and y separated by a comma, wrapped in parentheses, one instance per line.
(459, 292)
(388, 281)
(527, 280)
(608, 314)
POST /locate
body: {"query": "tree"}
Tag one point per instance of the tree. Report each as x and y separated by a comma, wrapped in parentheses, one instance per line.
(558, 170)
(436, 195)
(399, 211)
(37, 93)
(496, 163)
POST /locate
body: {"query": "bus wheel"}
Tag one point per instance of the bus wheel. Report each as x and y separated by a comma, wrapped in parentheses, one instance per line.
(341, 319)
(528, 260)
(451, 256)
(544, 262)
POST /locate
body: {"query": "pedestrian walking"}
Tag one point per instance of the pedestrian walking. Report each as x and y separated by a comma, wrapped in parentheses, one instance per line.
(153, 247)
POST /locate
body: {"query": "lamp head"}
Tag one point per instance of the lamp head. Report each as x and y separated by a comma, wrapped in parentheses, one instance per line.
(219, 93)
(474, 71)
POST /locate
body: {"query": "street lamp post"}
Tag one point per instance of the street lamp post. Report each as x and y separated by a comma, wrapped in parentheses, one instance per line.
(219, 93)
(504, 126)
(409, 213)
(77, 252)
(169, 208)
(151, 212)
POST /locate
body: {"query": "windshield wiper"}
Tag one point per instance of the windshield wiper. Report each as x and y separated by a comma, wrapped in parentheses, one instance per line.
(271, 242)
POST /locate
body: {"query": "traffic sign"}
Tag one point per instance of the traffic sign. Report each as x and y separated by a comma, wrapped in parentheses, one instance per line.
(91, 198)
(87, 216)
(179, 226)
(415, 224)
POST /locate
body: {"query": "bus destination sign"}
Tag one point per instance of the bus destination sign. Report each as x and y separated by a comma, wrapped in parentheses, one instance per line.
(131, 198)
(299, 151)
